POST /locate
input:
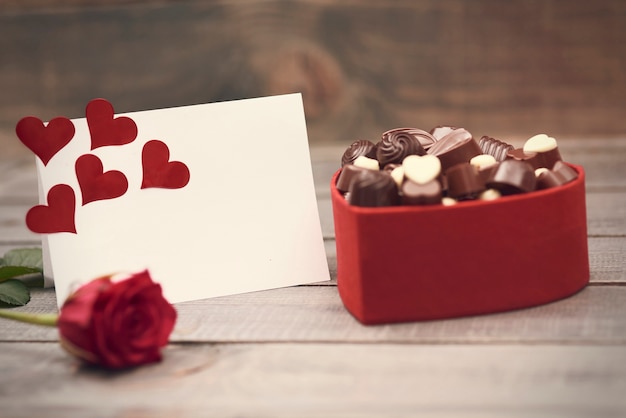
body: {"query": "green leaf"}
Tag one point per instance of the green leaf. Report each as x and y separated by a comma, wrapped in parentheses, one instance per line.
(24, 257)
(31, 280)
(25, 264)
(13, 292)
(8, 272)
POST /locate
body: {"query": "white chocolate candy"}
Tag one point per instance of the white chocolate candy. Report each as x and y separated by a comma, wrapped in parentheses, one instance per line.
(490, 194)
(539, 143)
(448, 201)
(365, 162)
(540, 170)
(397, 174)
(421, 169)
(483, 161)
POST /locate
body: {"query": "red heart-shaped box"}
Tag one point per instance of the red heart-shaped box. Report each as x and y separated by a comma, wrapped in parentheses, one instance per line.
(409, 263)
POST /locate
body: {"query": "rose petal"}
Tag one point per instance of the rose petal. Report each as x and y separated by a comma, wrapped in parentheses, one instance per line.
(120, 324)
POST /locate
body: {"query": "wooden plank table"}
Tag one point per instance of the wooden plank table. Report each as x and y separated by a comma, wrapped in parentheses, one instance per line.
(297, 352)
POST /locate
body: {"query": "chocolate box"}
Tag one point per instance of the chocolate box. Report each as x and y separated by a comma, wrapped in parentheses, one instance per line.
(409, 263)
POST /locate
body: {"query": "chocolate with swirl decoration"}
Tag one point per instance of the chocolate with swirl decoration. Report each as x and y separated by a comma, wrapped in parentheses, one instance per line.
(358, 148)
(397, 144)
(425, 139)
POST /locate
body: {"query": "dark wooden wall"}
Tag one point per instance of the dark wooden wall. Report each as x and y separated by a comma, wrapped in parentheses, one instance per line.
(505, 68)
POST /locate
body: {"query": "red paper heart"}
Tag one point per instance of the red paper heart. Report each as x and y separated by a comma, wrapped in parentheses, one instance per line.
(58, 216)
(95, 184)
(45, 141)
(105, 129)
(158, 171)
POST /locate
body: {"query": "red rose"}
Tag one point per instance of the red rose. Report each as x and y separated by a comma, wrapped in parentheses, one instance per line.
(117, 324)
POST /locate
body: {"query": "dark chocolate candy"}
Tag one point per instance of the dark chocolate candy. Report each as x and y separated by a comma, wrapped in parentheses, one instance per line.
(498, 149)
(485, 173)
(358, 148)
(546, 148)
(537, 160)
(519, 154)
(390, 167)
(548, 179)
(560, 174)
(456, 147)
(421, 194)
(546, 159)
(372, 189)
(464, 181)
(513, 176)
(396, 145)
(565, 171)
(348, 173)
(425, 139)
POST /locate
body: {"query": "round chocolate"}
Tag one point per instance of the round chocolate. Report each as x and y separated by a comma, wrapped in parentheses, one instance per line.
(513, 176)
(464, 181)
(356, 149)
(456, 147)
(498, 149)
(396, 145)
(372, 189)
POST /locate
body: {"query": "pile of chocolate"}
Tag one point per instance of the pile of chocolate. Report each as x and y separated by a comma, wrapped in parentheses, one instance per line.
(409, 166)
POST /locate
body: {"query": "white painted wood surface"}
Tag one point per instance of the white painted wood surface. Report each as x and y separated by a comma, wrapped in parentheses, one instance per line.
(325, 380)
(297, 352)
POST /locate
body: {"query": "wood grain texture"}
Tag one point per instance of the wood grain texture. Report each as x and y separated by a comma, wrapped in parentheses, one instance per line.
(597, 315)
(606, 214)
(602, 160)
(312, 380)
(18, 179)
(316, 314)
(297, 352)
(607, 260)
(498, 68)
